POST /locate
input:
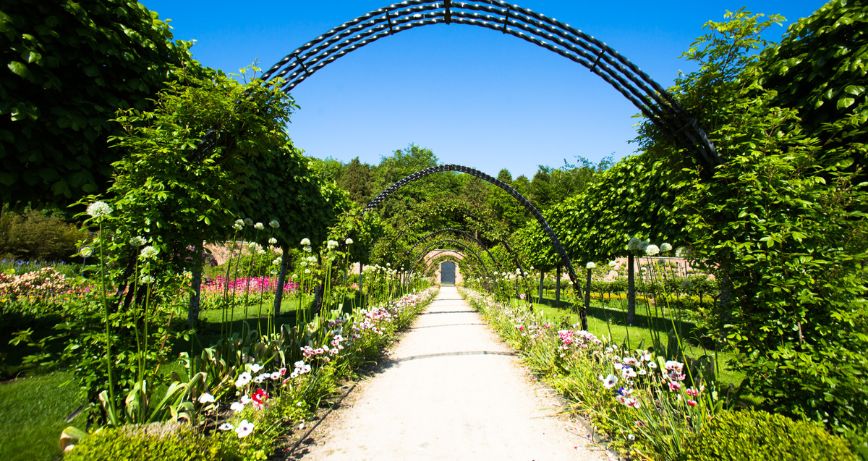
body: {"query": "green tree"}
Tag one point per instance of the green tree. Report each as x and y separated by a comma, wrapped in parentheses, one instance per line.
(357, 178)
(68, 67)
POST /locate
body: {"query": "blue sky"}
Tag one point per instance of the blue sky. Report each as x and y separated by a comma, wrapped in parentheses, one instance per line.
(474, 96)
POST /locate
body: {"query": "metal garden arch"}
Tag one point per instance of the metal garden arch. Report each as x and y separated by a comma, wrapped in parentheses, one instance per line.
(652, 100)
(533, 210)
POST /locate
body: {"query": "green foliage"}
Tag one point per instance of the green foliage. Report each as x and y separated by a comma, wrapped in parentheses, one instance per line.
(819, 69)
(782, 222)
(38, 235)
(68, 66)
(154, 442)
(635, 197)
(748, 435)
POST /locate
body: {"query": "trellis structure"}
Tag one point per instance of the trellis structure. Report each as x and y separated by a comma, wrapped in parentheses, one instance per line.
(465, 234)
(652, 100)
(530, 207)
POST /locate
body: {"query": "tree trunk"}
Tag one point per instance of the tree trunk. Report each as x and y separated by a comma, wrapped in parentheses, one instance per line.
(631, 290)
(542, 277)
(318, 298)
(196, 282)
(558, 286)
(281, 280)
(588, 290)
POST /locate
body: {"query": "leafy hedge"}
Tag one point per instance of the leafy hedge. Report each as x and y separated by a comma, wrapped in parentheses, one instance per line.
(748, 435)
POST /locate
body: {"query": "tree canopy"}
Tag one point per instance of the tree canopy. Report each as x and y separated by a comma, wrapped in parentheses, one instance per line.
(69, 66)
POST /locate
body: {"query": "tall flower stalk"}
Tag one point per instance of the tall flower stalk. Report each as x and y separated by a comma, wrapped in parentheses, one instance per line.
(98, 211)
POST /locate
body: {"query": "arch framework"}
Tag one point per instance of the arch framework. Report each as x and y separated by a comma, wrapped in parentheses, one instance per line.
(652, 100)
(530, 207)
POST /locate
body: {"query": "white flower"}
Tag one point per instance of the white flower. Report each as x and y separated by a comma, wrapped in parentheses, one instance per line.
(206, 398)
(610, 381)
(243, 379)
(652, 250)
(274, 224)
(255, 367)
(275, 375)
(590, 265)
(146, 279)
(613, 263)
(636, 244)
(665, 247)
(236, 407)
(239, 224)
(272, 241)
(307, 249)
(245, 399)
(149, 252)
(226, 427)
(276, 261)
(260, 378)
(305, 242)
(332, 244)
(99, 209)
(307, 271)
(137, 241)
(259, 226)
(260, 251)
(244, 428)
(348, 241)
(85, 252)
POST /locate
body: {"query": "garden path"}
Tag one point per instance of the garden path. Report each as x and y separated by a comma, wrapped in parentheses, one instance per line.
(451, 391)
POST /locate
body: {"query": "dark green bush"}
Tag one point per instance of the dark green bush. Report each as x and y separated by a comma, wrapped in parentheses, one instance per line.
(756, 435)
(37, 235)
(141, 444)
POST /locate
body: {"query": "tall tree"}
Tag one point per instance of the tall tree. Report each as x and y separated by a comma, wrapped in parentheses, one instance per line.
(68, 67)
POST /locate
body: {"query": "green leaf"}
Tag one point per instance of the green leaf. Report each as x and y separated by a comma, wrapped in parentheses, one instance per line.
(19, 69)
(845, 102)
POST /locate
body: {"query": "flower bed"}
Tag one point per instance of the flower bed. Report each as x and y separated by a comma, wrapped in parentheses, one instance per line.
(245, 412)
(649, 406)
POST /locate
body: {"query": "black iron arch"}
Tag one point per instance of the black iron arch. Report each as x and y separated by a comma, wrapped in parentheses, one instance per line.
(652, 100)
(463, 233)
(533, 210)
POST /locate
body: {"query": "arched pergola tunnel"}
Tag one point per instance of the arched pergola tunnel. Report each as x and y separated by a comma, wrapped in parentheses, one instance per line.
(528, 206)
(454, 245)
(468, 235)
(650, 98)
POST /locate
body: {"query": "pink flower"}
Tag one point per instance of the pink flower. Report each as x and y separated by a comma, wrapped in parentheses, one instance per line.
(674, 386)
(692, 403)
(692, 392)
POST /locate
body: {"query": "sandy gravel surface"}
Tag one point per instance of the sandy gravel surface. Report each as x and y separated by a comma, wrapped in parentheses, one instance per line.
(452, 391)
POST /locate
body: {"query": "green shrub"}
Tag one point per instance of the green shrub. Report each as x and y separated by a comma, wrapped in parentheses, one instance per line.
(756, 435)
(37, 235)
(141, 443)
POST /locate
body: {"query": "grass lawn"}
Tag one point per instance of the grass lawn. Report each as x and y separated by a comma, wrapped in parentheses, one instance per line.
(32, 415)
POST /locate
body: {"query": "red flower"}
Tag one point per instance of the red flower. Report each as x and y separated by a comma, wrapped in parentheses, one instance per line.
(692, 403)
(259, 397)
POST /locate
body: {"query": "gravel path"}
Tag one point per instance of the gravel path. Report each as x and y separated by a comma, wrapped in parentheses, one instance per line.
(452, 391)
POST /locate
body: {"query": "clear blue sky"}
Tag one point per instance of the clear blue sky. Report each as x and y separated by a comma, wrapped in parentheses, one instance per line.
(474, 96)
